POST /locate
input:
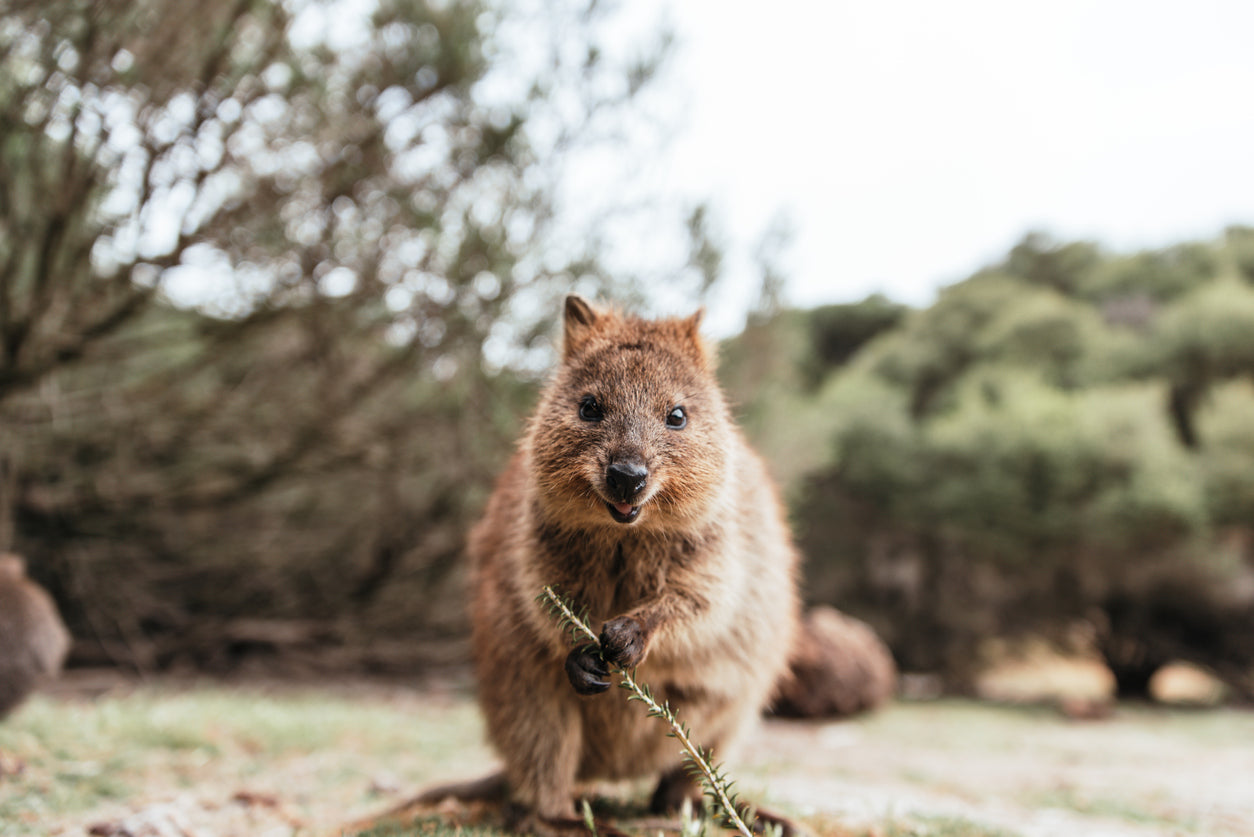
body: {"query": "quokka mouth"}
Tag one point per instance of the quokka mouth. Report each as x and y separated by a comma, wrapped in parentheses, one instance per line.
(623, 512)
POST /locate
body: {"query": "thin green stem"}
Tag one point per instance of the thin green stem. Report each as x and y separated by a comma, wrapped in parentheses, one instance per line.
(716, 785)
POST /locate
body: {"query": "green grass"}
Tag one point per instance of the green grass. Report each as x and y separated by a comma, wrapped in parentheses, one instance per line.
(433, 827)
(1141, 812)
(325, 759)
(941, 827)
(897, 825)
(79, 756)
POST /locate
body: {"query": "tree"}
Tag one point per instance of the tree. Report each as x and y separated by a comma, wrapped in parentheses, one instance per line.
(1200, 341)
(1023, 458)
(261, 265)
(838, 332)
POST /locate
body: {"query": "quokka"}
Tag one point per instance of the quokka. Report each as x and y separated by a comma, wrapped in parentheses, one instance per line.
(635, 495)
(33, 639)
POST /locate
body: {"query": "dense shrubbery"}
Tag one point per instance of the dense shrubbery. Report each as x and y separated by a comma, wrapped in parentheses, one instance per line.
(1062, 441)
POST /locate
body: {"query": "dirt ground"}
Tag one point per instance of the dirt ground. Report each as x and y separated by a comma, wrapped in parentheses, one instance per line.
(1028, 771)
(1046, 754)
(938, 767)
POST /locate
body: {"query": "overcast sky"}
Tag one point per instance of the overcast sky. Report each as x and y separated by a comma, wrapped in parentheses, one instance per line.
(911, 142)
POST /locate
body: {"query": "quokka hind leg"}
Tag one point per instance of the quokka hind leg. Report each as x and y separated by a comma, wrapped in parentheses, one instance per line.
(493, 790)
(540, 742)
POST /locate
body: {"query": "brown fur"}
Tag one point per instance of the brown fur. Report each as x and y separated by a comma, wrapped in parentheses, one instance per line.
(33, 640)
(838, 667)
(699, 590)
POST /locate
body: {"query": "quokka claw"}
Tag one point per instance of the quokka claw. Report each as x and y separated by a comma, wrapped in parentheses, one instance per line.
(587, 671)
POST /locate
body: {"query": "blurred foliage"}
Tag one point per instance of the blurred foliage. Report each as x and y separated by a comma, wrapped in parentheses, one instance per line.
(264, 269)
(1060, 445)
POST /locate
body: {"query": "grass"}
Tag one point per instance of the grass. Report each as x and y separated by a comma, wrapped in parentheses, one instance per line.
(1114, 808)
(92, 758)
(433, 827)
(941, 827)
(302, 762)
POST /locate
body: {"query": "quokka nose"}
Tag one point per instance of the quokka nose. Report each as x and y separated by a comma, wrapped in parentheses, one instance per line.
(626, 479)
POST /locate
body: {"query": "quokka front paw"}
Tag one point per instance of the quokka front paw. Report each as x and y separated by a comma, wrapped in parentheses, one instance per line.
(587, 671)
(622, 641)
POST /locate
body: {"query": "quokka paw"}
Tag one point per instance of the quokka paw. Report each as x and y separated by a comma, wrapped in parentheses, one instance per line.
(587, 671)
(622, 641)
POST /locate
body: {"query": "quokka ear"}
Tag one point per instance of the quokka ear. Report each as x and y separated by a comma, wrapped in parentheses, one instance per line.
(691, 327)
(693, 324)
(581, 319)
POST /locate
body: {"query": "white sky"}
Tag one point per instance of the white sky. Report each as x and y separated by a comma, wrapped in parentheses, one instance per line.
(911, 142)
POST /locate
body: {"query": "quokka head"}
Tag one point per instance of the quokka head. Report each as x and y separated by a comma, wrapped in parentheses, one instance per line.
(633, 429)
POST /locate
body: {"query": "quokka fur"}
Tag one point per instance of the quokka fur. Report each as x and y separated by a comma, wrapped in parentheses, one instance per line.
(634, 494)
(33, 640)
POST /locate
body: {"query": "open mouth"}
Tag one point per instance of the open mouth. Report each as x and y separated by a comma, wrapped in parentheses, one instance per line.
(623, 512)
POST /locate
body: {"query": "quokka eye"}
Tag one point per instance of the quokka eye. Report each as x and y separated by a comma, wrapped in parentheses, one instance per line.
(590, 410)
(677, 419)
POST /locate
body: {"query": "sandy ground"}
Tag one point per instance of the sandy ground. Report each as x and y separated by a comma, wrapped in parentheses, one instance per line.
(1028, 761)
(1135, 774)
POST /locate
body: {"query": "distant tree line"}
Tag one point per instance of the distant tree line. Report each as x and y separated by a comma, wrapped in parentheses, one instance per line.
(1060, 446)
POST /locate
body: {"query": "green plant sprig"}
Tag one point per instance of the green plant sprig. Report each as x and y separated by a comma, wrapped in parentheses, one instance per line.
(717, 786)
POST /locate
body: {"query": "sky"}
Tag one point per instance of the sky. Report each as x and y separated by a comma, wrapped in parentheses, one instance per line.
(908, 143)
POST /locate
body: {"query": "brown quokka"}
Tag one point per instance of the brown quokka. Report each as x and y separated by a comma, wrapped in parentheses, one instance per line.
(33, 640)
(635, 495)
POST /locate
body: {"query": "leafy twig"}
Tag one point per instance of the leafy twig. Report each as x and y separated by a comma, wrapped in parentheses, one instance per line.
(717, 786)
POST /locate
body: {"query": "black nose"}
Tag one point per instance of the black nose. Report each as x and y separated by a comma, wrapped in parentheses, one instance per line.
(625, 479)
